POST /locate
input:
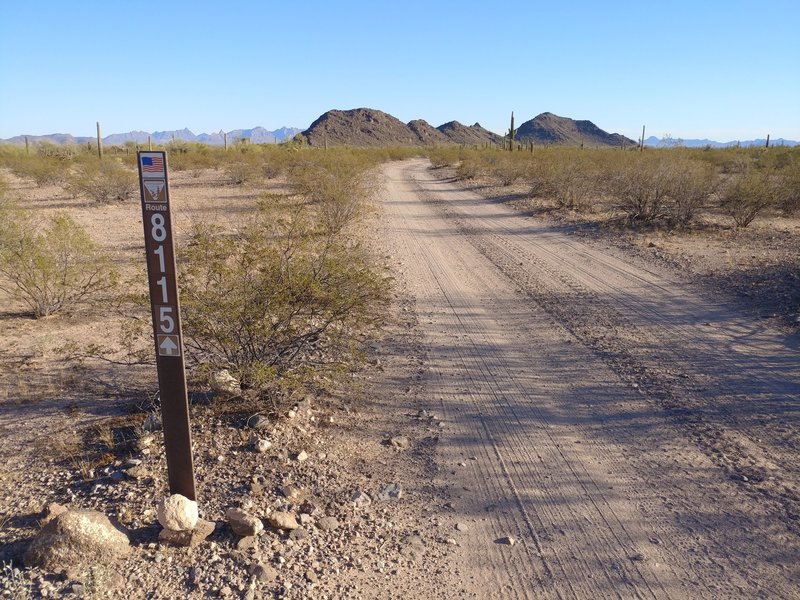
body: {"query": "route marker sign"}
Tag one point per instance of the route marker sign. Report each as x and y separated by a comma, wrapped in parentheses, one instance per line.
(161, 274)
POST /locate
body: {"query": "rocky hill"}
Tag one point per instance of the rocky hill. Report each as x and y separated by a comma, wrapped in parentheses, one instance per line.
(369, 127)
(548, 128)
(364, 127)
(461, 134)
(427, 133)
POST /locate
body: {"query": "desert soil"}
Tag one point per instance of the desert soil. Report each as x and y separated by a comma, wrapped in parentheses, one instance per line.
(570, 419)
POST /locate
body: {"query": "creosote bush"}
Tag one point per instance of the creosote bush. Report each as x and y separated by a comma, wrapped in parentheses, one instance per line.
(280, 302)
(747, 195)
(50, 268)
(335, 184)
(103, 181)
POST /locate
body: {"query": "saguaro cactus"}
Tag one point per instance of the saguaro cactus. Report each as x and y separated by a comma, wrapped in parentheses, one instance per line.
(511, 133)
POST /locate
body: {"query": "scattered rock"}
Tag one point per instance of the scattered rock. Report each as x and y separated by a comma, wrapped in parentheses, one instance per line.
(53, 510)
(462, 527)
(298, 534)
(263, 573)
(638, 557)
(309, 508)
(506, 541)
(400, 442)
(360, 499)
(247, 542)
(258, 422)
(283, 520)
(302, 456)
(188, 538)
(177, 512)
(261, 446)
(152, 423)
(138, 472)
(393, 491)
(328, 523)
(242, 523)
(76, 537)
(413, 546)
(225, 384)
(291, 492)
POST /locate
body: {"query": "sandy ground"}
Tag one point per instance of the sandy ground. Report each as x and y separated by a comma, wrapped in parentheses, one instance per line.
(633, 433)
(636, 437)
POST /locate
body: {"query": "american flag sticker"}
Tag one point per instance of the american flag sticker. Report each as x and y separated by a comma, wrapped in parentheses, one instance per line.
(153, 164)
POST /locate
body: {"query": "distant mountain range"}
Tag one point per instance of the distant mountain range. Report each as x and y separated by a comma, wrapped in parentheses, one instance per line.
(371, 127)
(668, 142)
(256, 135)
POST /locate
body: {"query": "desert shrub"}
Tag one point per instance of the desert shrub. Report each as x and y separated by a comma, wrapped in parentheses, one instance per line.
(61, 151)
(335, 183)
(691, 184)
(641, 185)
(469, 167)
(788, 183)
(571, 181)
(747, 195)
(50, 268)
(190, 156)
(103, 181)
(43, 170)
(279, 303)
(443, 156)
(242, 166)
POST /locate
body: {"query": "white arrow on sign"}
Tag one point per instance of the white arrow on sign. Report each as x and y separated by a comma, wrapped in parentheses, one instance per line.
(168, 345)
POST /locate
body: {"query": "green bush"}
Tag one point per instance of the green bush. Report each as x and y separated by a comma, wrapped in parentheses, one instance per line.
(278, 303)
(43, 170)
(691, 184)
(241, 166)
(103, 181)
(335, 183)
(748, 194)
(50, 268)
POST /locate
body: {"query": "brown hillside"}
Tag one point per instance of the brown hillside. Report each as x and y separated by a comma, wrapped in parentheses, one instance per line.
(461, 134)
(548, 128)
(427, 133)
(363, 127)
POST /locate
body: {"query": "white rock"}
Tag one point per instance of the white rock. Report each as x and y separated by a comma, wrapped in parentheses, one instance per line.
(222, 382)
(243, 523)
(76, 537)
(283, 520)
(177, 513)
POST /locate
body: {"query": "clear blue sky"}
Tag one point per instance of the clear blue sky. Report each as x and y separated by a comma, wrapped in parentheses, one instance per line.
(722, 69)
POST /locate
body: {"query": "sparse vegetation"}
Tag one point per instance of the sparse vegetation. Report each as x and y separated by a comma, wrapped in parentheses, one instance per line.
(103, 181)
(747, 195)
(49, 268)
(281, 302)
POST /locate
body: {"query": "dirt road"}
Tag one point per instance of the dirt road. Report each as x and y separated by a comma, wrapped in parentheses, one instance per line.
(635, 438)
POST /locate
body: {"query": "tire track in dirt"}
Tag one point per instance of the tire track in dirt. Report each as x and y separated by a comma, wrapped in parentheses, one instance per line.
(677, 354)
(548, 440)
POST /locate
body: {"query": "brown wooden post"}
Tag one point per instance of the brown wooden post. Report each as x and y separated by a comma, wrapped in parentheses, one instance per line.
(167, 332)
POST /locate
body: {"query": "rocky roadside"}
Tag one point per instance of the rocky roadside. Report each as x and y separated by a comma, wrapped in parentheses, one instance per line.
(333, 500)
